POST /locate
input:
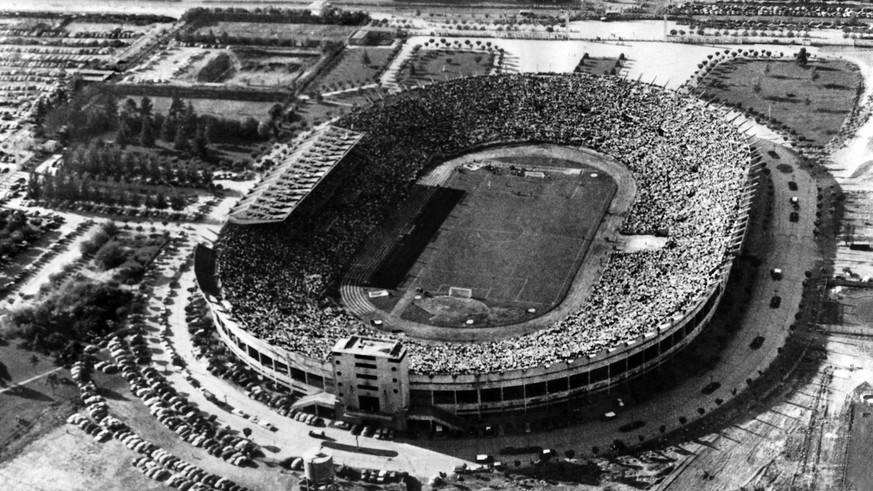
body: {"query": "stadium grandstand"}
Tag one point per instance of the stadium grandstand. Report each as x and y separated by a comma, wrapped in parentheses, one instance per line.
(300, 169)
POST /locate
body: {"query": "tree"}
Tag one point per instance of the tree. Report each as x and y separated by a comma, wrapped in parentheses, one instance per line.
(177, 107)
(190, 119)
(177, 201)
(180, 142)
(125, 134)
(276, 111)
(161, 201)
(365, 58)
(129, 109)
(200, 143)
(146, 134)
(168, 128)
(111, 256)
(802, 57)
(34, 188)
(146, 107)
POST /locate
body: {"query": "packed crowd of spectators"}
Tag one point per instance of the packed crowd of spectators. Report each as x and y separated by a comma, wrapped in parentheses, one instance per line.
(689, 164)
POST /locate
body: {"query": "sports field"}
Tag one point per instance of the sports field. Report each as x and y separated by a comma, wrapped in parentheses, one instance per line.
(513, 238)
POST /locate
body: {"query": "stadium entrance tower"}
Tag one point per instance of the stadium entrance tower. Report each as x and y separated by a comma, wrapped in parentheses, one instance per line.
(372, 381)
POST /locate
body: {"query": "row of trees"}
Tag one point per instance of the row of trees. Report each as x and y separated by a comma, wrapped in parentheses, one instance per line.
(60, 188)
(275, 15)
(107, 161)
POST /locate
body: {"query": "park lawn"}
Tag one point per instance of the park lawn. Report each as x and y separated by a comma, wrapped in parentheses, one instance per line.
(814, 109)
(352, 70)
(436, 65)
(278, 31)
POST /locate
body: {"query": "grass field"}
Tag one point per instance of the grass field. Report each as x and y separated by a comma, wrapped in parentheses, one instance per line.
(352, 69)
(813, 100)
(426, 65)
(278, 31)
(515, 241)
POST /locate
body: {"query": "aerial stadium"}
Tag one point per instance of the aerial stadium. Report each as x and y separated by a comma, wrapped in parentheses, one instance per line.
(482, 246)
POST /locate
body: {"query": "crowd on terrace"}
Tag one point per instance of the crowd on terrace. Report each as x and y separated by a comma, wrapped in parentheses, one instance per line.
(689, 164)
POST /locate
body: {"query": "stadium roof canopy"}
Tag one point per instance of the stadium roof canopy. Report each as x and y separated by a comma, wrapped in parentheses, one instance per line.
(299, 170)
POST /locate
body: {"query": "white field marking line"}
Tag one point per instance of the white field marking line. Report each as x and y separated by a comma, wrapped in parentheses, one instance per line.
(31, 379)
(522, 288)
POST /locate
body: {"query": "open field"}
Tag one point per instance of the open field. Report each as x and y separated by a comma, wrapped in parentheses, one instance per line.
(355, 67)
(263, 31)
(427, 65)
(219, 107)
(813, 100)
(515, 241)
(256, 67)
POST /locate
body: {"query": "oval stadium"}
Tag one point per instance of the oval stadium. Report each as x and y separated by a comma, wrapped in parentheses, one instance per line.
(482, 246)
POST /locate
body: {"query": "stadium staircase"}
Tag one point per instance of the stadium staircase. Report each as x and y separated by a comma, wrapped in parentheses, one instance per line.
(377, 247)
(436, 415)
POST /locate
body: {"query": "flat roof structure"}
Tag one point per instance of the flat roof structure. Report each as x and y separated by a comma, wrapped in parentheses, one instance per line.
(359, 345)
(300, 169)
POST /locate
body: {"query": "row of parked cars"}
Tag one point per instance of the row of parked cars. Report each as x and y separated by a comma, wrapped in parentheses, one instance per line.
(173, 411)
(180, 474)
(31, 269)
(156, 462)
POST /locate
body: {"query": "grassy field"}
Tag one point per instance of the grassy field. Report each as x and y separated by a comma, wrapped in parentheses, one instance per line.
(427, 65)
(278, 31)
(813, 100)
(356, 66)
(39, 404)
(515, 241)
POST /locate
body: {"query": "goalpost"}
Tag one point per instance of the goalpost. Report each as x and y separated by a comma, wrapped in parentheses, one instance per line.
(455, 291)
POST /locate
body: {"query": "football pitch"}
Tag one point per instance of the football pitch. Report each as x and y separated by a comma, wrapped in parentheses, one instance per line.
(512, 238)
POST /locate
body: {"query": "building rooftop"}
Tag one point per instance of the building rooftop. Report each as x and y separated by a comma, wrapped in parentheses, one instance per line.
(358, 345)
